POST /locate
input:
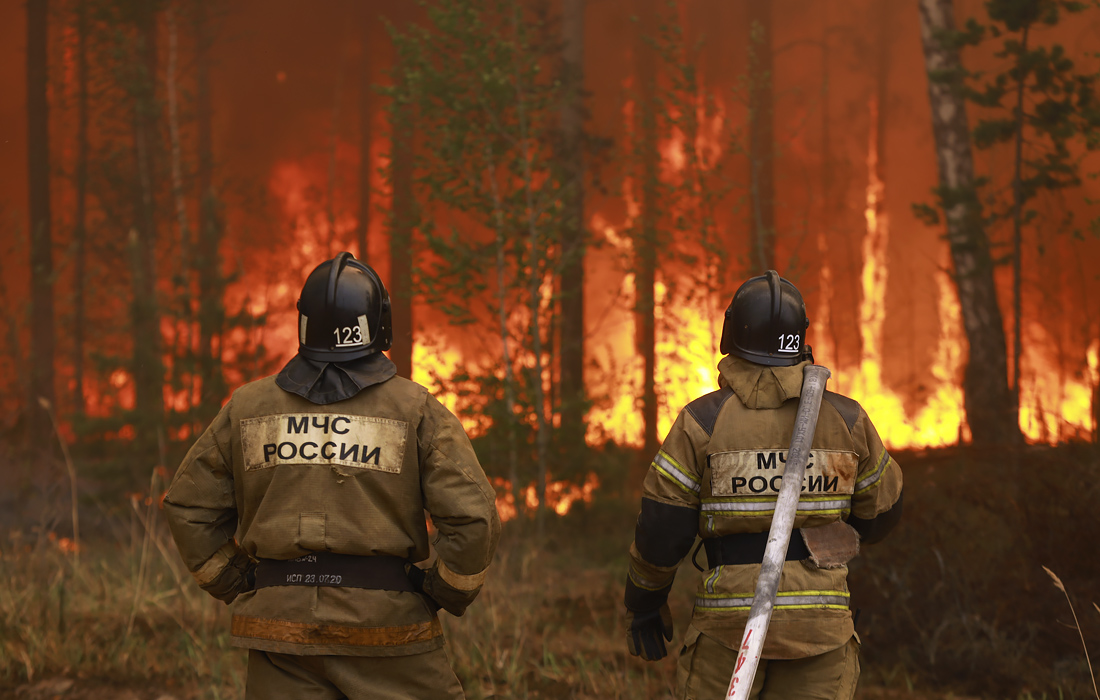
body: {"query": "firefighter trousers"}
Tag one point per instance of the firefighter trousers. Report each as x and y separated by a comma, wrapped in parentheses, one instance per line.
(425, 676)
(705, 668)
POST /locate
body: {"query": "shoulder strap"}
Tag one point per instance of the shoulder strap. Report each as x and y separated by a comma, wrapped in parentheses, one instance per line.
(846, 407)
(705, 408)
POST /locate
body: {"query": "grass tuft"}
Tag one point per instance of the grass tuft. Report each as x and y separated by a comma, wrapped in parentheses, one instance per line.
(1076, 623)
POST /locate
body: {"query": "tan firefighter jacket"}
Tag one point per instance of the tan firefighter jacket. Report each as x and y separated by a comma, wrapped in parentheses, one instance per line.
(353, 477)
(716, 474)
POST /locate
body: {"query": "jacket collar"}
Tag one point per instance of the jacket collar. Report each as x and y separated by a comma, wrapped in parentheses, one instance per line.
(328, 382)
(760, 386)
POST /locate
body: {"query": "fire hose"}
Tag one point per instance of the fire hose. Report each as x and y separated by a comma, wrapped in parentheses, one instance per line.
(814, 378)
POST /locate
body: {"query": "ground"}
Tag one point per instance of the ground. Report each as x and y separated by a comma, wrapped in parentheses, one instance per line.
(955, 604)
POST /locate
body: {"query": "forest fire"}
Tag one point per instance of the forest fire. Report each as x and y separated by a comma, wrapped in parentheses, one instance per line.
(561, 496)
(561, 199)
(862, 267)
(1053, 407)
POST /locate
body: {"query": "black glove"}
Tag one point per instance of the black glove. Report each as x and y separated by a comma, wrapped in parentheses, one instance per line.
(417, 577)
(645, 631)
(238, 576)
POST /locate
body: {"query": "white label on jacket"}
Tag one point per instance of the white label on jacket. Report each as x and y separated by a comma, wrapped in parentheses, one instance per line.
(359, 442)
(760, 472)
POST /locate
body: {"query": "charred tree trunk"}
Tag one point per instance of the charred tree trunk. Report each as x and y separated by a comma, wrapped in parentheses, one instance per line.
(207, 258)
(148, 369)
(761, 137)
(80, 255)
(645, 246)
(1017, 232)
(401, 230)
(826, 324)
(366, 114)
(573, 401)
(990, 411)
(41, 255)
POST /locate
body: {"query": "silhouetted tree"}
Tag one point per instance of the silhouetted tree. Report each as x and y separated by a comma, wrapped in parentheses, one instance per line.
(761, 136)
(41, 256)
(574, 233)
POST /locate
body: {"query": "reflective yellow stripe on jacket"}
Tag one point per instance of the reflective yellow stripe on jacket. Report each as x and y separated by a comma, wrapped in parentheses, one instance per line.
(671, 469)
(765, 505)
(785, 600)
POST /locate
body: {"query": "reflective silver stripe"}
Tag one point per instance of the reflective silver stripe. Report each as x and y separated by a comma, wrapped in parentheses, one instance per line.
(302, 323)
(724, 602)
(783, 601)
(868, 481)
(669, 468)
(769, 505)
(647, 584)
(364, 329)
(712, 578)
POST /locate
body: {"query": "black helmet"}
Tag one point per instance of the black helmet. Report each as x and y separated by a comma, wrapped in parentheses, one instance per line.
(343, 312)
(766, 322)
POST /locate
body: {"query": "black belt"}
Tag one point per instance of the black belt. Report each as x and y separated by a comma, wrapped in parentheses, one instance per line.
(329, 569)
(748, 548)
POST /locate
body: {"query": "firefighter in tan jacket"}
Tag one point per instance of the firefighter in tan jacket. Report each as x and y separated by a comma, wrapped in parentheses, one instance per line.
(717, 476)
(305, 499)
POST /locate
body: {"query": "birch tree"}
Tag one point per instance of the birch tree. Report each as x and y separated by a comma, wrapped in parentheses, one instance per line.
(990, 411)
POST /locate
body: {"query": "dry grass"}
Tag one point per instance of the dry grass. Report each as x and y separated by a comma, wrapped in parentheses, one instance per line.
(542, 629)
(954, 605)
(125, 609)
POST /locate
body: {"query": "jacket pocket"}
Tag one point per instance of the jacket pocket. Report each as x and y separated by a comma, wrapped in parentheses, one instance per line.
(311, 531)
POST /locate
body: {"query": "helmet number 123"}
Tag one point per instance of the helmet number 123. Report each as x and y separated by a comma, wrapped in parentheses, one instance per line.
(351, 336)
(788, 342)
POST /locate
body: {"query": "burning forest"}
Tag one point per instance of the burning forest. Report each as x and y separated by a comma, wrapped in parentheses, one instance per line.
(561, 198)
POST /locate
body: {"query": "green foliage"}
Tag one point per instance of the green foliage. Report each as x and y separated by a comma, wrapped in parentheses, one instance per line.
(477, 80)
(1039, 98)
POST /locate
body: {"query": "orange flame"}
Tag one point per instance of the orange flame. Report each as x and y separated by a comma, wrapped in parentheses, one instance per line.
(560, 496)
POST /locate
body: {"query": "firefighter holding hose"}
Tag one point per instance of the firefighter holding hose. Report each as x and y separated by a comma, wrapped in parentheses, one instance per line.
(304, 502)
(718, 476)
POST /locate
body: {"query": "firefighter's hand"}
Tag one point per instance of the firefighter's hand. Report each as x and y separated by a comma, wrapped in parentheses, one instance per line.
(236, 577)
(417, 576)
(645, 631)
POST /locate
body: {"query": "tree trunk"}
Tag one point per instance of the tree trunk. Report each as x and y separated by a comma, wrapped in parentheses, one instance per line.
(366, 114)
(990, 412)
(80, 255)
(183, 355)
(1017, 232)
(502, 321)
(825, 325)
(877, 237)
(646, 246)
(761, 137)
(207, 259)
(41, 255)
(573, 237)
(401, 230)
(148, 369)
(537, 260)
